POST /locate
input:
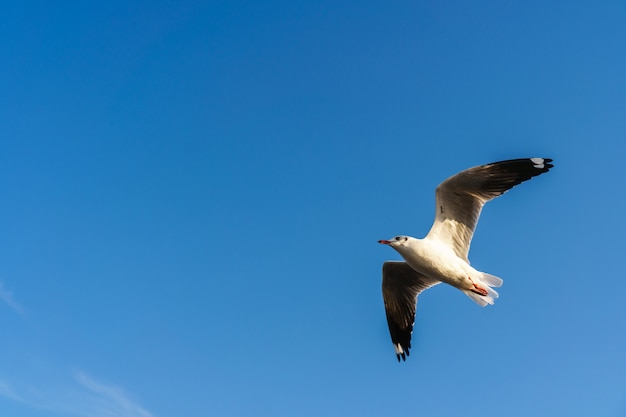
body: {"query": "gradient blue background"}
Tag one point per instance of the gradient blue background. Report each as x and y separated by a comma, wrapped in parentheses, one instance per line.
(192, 193)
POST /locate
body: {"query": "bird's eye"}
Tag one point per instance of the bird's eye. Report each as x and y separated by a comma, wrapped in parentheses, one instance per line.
(398, 238)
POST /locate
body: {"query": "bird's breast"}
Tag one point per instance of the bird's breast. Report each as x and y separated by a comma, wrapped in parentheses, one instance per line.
(436, 260)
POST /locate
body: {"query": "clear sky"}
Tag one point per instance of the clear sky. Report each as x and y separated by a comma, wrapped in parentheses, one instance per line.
(192, 192)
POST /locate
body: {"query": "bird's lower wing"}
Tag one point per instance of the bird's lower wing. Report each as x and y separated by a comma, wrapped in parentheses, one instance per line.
(401, 285)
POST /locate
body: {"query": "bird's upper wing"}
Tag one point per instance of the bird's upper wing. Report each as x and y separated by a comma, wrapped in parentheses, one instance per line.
(461, 197)
(401, 285)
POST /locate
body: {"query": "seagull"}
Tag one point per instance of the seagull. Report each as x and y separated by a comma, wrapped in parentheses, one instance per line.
(442, 255)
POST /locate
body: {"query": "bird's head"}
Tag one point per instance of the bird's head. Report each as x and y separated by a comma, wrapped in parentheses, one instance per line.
(396, 242)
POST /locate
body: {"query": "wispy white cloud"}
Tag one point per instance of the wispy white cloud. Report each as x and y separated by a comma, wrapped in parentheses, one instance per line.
(7, 297)
(111, 400)
(6, 390)
(71, 394)
(81, 396)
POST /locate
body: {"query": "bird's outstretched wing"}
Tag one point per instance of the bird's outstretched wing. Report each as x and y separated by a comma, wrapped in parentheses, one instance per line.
(401, 285)
(461, 197)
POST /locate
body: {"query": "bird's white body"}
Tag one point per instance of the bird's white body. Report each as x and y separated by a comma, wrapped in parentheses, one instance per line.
(435, 259)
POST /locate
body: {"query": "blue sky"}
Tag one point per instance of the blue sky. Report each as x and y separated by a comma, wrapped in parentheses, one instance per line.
(193, 191)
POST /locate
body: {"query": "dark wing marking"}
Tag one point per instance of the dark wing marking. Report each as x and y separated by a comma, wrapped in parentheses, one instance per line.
(401, 285)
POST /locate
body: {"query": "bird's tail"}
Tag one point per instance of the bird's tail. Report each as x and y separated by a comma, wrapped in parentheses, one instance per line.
(485, 281)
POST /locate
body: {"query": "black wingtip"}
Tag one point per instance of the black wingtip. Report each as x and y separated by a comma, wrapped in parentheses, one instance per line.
(548, 163)
(402, 355)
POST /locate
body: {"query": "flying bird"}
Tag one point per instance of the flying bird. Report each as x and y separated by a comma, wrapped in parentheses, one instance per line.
(442, 255)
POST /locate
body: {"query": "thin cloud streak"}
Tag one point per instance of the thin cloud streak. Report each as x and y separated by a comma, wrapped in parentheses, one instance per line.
(116, 401)
(81, 396)
(7, 391)
(7, 297)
